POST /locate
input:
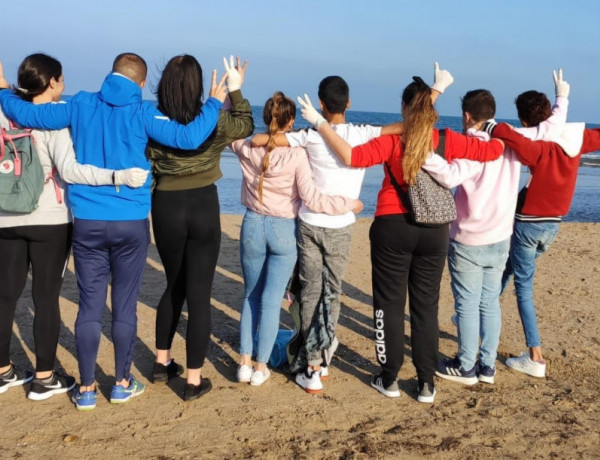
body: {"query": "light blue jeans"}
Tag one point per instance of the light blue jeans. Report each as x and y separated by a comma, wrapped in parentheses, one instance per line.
(268, 252)
(529, 241)
(476, 273)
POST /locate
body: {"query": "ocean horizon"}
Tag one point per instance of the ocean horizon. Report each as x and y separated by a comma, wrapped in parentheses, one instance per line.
(585, 206)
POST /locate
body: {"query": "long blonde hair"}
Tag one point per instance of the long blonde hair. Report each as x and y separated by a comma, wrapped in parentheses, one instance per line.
(277, 113)
(419, 117)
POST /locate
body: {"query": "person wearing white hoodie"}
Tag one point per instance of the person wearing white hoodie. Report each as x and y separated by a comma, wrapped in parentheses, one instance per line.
(486, 198)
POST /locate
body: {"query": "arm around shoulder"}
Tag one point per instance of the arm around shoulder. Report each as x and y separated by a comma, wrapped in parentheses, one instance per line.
(43, 116)
(187, 137)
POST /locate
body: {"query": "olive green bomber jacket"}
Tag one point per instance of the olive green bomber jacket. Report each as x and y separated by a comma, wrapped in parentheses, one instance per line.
(175, 169)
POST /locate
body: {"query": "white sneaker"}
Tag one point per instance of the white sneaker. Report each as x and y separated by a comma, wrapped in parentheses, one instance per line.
(310, 381)
(524, 364)
(258, 377)
(244, 373)
(324, 373)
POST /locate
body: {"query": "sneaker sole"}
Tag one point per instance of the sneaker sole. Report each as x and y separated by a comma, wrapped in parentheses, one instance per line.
(16, 383)
(523, 371)
(48, 394)
(454, 378)
(427, 399)
(85, 408)
(389, 394)
(484, 379)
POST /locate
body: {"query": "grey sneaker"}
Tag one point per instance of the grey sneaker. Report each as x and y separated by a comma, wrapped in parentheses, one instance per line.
(426, 392)
(391, 391)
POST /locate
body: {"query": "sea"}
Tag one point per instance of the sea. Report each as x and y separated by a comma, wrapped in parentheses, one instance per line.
(585, 206)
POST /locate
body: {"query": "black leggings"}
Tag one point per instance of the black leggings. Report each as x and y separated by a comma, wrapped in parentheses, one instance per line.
(406, 257)
(46, 248)
(187, 229)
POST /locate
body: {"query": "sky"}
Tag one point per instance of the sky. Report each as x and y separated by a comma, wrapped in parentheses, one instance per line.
(377, 46)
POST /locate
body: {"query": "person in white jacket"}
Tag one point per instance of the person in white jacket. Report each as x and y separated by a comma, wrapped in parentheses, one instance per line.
(42, 238)
(486, 198)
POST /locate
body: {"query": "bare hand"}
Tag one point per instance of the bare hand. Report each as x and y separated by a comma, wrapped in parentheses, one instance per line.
(357, 207)
(218, 91)
(3, 83)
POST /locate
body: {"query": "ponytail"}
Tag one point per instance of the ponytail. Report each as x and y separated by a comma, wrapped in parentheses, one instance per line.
(419, 118)
(277, 113)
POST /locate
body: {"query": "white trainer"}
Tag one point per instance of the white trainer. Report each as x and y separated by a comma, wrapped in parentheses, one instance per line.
(258, 377)
(244, 373)
(310, 381)
(324, 373)
(523, 363)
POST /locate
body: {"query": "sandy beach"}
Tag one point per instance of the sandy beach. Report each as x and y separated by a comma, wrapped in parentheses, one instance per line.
(518, 417)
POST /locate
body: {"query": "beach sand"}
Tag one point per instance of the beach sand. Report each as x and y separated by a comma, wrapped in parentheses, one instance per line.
(518, 417)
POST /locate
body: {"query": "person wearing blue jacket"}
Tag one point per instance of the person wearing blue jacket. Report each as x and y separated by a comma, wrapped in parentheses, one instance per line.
(110, 129)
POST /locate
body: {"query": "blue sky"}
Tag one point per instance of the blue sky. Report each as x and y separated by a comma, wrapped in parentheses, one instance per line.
(377, 45)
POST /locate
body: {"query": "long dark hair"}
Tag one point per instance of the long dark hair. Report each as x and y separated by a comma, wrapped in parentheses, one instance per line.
(180, 89)
(277, 113)
(35, 73)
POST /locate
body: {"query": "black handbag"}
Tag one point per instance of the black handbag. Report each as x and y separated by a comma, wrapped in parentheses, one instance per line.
(428, 202)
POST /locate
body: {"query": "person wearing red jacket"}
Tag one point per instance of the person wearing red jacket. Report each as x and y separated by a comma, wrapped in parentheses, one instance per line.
(541, 206)
(406, 258)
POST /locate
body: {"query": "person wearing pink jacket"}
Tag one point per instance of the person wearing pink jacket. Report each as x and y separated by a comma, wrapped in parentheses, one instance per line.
(276, 180)
(486, 198)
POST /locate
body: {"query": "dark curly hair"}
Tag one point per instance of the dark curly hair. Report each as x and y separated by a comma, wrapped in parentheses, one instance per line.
(533, 107)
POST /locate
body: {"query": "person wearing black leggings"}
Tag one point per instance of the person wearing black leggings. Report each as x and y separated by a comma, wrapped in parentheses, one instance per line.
(185, 215)
(42, 239)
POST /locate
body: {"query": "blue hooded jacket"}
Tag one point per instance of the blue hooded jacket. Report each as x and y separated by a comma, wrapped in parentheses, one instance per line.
(110, 129)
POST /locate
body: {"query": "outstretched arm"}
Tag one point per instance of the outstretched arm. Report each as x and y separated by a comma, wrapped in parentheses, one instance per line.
(192, 135)
(318, 202)
(237, 123)
(559, 110)
(60, 149)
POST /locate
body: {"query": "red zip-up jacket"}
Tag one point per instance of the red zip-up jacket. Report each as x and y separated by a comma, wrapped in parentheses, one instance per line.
(390, 149)
(553, 172)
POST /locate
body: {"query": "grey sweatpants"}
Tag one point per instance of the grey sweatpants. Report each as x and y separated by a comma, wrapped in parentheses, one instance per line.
(318, 247)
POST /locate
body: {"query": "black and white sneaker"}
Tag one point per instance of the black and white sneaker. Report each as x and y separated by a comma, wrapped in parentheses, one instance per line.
(426, 392)
(45, 388)
(14, 377)
(391, 391)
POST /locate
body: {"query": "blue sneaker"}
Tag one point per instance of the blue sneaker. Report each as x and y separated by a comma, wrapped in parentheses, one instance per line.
(120, 394)
(486, 374)
(85, 400)
(450, 369)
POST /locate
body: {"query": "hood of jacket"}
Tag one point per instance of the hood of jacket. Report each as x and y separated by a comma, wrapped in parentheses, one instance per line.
(118, 90)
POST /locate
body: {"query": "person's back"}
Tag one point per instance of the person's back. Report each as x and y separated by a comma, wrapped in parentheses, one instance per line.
(110, 129)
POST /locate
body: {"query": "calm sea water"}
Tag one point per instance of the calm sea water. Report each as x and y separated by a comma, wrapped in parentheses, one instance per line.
(585, 207)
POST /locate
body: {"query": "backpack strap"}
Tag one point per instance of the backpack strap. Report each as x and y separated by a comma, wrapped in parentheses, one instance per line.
(399, 190)
(57, 193)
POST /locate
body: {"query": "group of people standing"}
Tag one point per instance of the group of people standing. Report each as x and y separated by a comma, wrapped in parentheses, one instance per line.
(301, 192)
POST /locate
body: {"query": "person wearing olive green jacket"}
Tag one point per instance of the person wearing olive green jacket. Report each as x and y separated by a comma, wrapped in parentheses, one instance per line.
(185, 215)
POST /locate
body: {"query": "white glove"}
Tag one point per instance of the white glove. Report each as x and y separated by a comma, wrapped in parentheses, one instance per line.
(441, 78)
(234, 77)
(132, 177)
(310, 114)
(561, 86)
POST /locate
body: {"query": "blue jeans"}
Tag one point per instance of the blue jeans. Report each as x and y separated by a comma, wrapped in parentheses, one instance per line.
(476, 273)
(268, 252)
(529, 241)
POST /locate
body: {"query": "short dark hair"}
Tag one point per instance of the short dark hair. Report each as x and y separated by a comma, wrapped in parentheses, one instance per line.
(131, 65)
(35, 73)
(480, 103)
(334, 93)
(180, 89)
(533, 107)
